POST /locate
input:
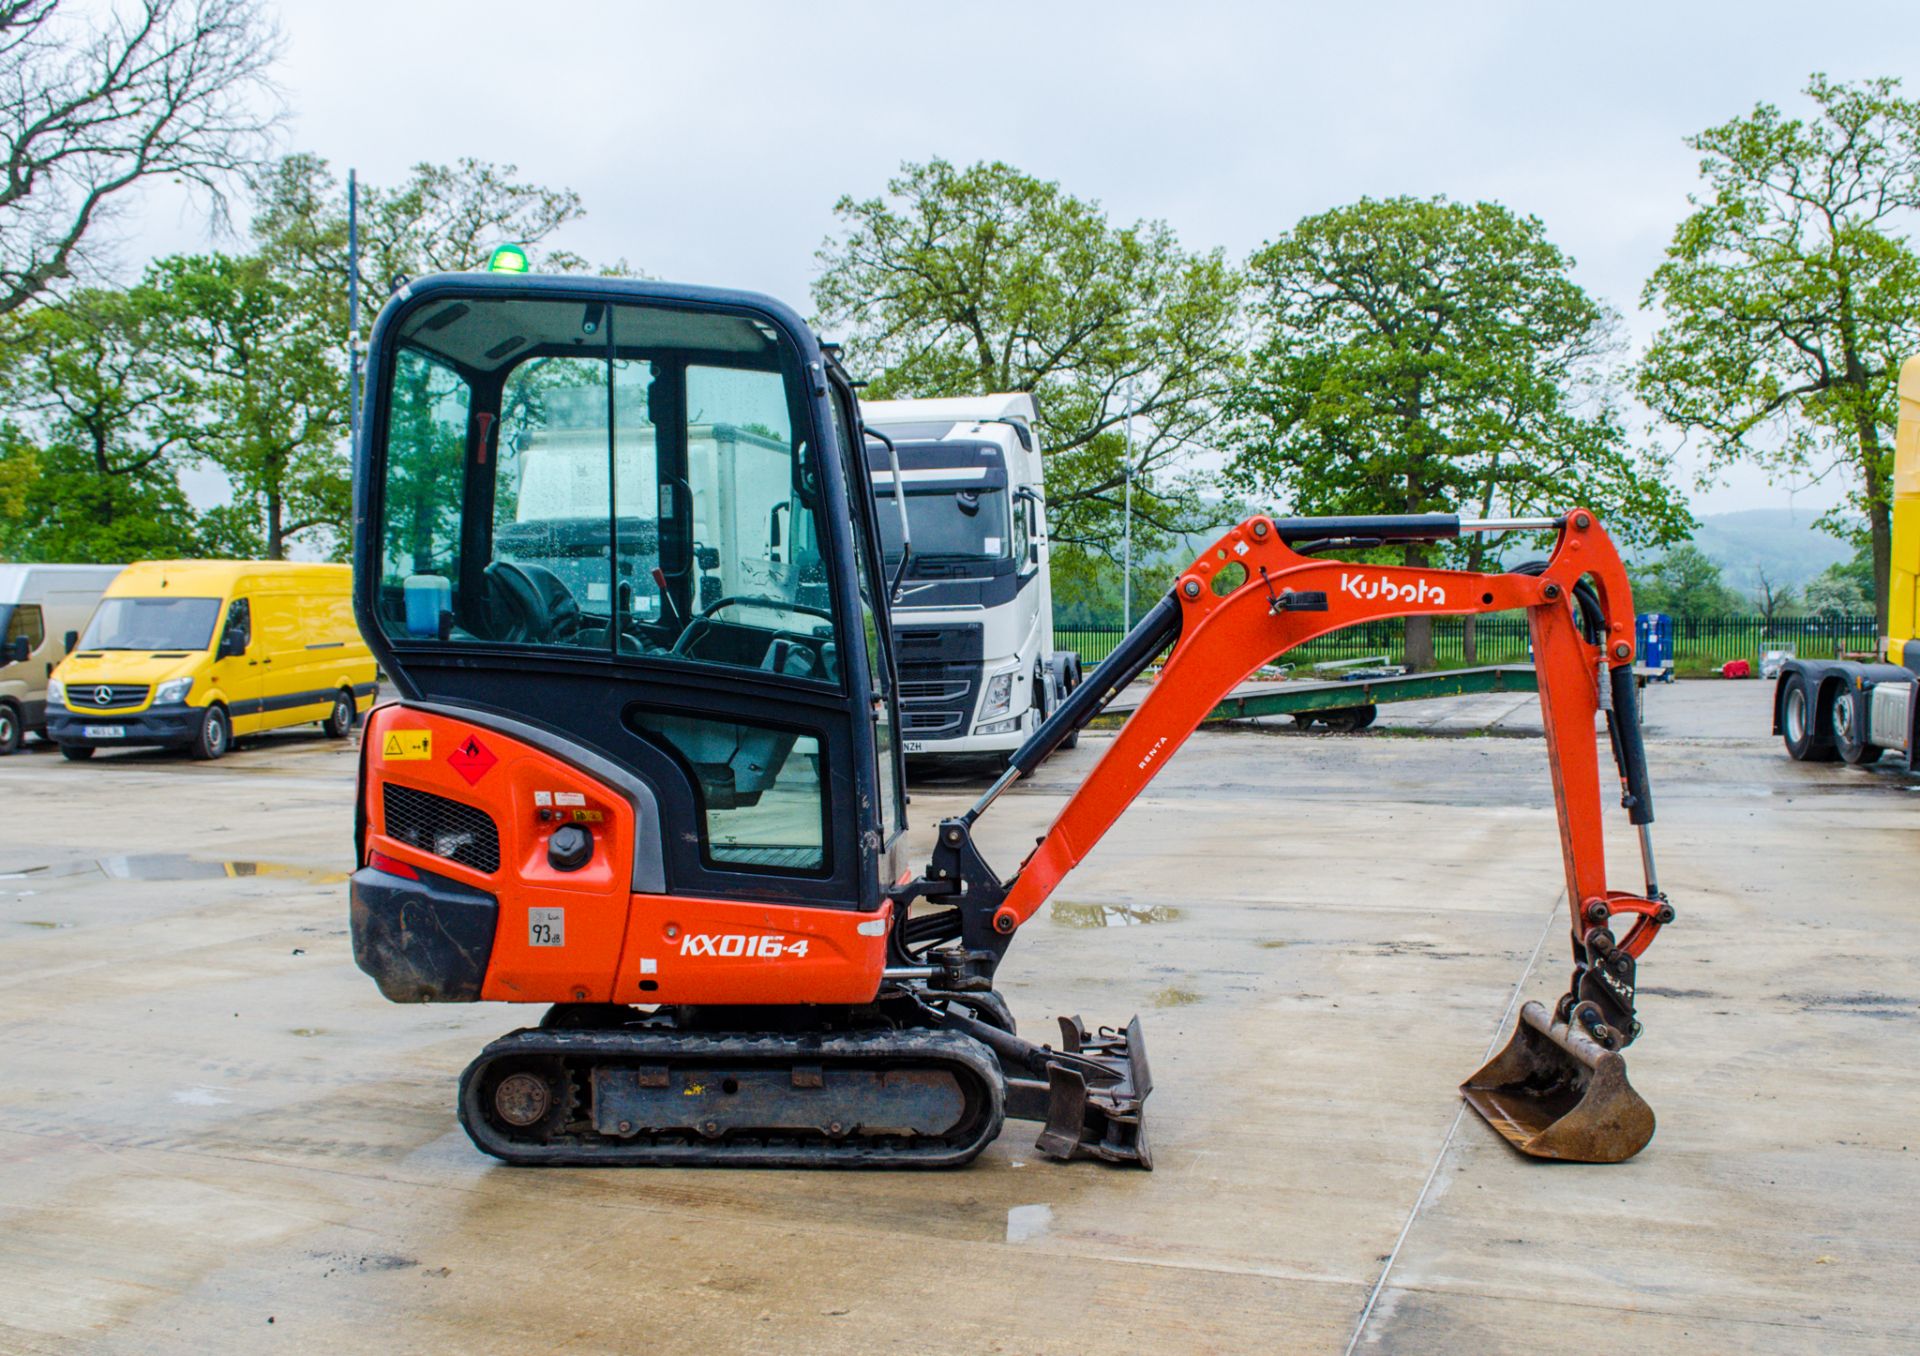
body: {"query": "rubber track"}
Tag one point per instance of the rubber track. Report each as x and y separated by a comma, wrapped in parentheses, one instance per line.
(967, 1059)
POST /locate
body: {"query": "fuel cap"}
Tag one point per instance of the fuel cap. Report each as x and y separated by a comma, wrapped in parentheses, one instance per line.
(570, 848)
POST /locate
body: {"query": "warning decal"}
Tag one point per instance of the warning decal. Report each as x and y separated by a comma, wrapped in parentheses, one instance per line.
(471, 759)
(407, 746)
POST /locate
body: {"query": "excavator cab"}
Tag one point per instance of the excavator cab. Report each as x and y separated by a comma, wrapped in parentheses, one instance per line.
(619, 513)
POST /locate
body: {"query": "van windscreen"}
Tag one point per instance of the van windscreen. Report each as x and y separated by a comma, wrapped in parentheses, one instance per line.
(152, 624)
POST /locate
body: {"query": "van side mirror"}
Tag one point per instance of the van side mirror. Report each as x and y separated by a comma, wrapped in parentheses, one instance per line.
(73, 639)
(19, 650)
(232, 644)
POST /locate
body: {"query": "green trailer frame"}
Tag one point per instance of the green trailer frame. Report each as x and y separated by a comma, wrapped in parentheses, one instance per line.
(1301, 696)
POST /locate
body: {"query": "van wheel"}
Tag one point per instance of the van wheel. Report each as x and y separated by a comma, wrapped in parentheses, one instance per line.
(339, 721)
(215, 735)
(1850, 727)
(77, 753)
(9, 728)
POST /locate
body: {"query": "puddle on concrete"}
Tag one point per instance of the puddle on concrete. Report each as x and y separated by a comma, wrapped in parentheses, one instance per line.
(198, 1097)
(1069, 914)
(179, 866)
(1028, 1222)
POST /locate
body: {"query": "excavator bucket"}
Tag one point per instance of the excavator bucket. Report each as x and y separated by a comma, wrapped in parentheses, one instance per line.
(1555, 1092)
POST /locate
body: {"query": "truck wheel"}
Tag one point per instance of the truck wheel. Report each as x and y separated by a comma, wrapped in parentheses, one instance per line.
(76, 753)
(339, 721)
(1800, 723)
(1071, 675)
(214, 736)
(9, 728)
(1850, 727)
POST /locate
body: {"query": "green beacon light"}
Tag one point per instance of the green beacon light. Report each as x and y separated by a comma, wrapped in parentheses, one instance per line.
(508, 259)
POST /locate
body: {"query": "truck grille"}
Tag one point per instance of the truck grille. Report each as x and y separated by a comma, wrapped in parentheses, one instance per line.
(929, 722)
(446, 828)
(917, 693)
(105, 696)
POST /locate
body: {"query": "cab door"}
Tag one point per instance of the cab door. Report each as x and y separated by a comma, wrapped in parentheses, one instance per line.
(237, 676)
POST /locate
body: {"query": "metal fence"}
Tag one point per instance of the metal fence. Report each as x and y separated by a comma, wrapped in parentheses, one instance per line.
(1501, 638)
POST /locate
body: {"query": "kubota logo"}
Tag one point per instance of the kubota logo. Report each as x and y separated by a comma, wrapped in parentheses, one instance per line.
(1419, 591)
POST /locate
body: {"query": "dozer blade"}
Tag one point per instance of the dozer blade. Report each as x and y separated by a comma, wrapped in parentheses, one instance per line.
(1555, 1092)
(1096, 1096)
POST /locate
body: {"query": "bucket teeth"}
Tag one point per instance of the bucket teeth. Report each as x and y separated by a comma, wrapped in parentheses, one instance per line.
(1555, 1092)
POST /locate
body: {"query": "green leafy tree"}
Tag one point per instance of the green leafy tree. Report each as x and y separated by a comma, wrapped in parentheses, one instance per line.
(1685, 582)
(441, 218)
(1791, 295)
(1419, 356)
(265, 392)
(91, 459)
(967, 281)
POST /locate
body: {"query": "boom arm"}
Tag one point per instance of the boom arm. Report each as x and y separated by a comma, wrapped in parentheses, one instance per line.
(1223, 625)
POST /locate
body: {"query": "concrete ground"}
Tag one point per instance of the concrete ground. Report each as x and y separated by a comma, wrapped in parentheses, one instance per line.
(216, 1137)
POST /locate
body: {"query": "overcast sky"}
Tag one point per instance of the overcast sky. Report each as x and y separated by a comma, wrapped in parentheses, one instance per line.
(709, 141)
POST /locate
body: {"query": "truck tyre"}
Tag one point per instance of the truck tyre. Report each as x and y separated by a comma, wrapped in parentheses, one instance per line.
(1346, 719)
(1807, 740)
(1850, 706)
(9, 728)
(214, 736)
(339, 721)
(76, 753)
(1070, 679)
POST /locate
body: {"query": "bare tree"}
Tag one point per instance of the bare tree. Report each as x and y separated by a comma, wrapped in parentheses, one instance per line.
(94, 105)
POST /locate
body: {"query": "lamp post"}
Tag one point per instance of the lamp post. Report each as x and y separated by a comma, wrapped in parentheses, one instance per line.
(353, 307)
(1126, 521)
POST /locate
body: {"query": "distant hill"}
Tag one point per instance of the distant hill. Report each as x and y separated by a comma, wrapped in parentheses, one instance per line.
(1782, 542)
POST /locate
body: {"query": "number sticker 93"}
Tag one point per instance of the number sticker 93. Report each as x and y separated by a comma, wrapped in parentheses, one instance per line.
(759, 946)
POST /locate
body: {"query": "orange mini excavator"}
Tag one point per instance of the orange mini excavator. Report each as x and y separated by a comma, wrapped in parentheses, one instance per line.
(617, 548)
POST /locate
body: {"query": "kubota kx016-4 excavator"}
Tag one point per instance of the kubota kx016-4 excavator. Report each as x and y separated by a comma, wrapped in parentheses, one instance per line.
(617, 550)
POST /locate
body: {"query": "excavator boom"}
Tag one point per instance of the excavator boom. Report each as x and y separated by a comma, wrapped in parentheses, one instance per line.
(1259, 592)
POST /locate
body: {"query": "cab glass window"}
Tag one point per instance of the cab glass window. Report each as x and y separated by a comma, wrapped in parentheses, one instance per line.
(25, 624)
(628, 481)
(762, 805)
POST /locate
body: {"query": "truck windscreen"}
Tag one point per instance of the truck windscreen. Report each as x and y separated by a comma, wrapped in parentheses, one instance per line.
(948, 526)
(626, 479)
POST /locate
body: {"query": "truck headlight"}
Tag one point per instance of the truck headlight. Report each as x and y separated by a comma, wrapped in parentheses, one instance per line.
(999, 696)
(56, 692)
(998, 727)
(173, 690)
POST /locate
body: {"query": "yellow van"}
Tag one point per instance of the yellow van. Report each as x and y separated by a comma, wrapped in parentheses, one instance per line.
(197, 653)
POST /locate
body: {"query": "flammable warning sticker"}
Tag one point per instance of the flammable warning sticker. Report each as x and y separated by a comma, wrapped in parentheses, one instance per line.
(407, 746)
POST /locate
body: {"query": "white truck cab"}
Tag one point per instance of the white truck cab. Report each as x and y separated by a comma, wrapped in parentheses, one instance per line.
(973, 625)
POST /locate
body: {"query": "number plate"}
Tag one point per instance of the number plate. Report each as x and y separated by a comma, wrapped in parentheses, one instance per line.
(913, 746)
(546, 927)
(104, 731)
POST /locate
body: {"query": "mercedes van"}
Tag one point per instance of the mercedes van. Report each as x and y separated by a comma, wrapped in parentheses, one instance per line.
(40, 607)
(194, 654)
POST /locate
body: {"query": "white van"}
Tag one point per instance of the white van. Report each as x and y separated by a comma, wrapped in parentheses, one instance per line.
(42, 609)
